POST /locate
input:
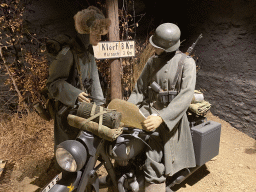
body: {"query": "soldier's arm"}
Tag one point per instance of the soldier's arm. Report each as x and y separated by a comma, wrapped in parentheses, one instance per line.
(59, 72)
(96, 90)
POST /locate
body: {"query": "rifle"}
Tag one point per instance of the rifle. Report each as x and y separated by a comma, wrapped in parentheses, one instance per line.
(190, 49)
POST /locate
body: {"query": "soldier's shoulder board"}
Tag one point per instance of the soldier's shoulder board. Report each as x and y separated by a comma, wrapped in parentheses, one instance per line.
(64, 50)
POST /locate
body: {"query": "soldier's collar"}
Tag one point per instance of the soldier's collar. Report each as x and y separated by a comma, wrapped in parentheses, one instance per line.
(82, 45)
(83, 41)
(165, 56)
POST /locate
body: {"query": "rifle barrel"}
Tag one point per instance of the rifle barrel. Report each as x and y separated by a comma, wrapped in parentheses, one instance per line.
(190, 49)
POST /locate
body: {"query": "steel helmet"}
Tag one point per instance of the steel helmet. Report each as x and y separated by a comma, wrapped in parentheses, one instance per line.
(167, 37)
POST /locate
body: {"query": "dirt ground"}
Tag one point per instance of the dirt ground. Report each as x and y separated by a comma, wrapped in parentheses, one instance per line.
(234, 169)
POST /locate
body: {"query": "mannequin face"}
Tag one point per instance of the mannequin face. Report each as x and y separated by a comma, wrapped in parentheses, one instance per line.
(94, 39)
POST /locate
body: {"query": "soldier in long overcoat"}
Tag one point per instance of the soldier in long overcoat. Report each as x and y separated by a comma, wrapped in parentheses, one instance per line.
(73, 67)
(173, 149)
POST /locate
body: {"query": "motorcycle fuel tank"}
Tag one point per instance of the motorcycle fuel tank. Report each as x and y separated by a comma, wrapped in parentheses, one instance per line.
(125, 147)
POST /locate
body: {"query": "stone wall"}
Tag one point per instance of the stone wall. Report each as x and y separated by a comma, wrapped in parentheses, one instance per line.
(227, 60)
(49, 18)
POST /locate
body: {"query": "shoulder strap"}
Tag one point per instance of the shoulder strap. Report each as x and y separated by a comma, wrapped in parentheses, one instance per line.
(178, 74)
(78, 69)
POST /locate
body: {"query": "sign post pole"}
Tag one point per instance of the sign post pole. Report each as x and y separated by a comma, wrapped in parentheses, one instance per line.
(115, 65)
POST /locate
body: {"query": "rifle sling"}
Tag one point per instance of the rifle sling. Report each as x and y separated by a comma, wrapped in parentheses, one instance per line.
(78, 70)
(178, 75)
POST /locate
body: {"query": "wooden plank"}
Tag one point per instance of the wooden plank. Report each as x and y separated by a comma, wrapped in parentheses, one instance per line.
(114, 49)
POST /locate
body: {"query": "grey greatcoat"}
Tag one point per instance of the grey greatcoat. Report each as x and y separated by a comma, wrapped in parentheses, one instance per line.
(175, 136)
(63, 85)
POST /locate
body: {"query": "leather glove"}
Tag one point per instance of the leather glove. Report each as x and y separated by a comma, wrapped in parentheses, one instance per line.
(152, 123)
(82, 97)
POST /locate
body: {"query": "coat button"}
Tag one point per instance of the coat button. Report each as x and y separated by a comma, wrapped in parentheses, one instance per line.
(165, 80)
(166, 71)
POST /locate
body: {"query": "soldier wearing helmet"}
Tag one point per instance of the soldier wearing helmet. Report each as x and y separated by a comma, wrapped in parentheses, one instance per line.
(73, 75)
(173, 149)
(166, 37)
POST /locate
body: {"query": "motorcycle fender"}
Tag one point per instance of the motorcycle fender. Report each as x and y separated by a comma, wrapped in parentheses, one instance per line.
(59, 188)
(68, 183)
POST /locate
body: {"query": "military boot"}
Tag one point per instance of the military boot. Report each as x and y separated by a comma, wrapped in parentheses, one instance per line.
(152, 187)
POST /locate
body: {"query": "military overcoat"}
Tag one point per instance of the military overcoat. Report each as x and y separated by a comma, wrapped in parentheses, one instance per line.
(64, 86)
(178, 147)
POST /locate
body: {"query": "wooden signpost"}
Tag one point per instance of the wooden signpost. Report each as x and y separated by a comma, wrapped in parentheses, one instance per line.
(114, 49)
(115, 66)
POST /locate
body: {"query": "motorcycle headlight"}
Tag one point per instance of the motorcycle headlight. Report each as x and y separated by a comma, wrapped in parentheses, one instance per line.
(71, 155)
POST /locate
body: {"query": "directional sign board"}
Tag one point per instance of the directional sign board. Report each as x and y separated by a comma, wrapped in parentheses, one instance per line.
(115, 49)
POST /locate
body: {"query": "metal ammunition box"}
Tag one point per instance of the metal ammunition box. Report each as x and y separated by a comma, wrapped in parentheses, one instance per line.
(206, 140)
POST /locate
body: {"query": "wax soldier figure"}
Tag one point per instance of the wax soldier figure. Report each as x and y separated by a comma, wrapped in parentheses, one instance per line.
(173, 149)
(73, 75)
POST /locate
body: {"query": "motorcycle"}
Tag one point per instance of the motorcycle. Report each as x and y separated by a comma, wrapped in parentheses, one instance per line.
(81, 158)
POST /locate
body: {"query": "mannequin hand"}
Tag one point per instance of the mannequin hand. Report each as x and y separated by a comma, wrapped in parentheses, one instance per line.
(152, 122)
(82, 97)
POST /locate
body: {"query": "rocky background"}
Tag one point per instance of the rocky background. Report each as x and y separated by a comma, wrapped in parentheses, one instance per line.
(225, 56)
(227, 60)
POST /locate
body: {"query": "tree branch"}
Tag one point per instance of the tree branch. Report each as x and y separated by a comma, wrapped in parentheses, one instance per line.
(21, 99)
